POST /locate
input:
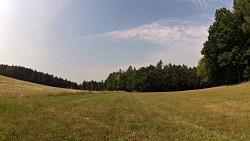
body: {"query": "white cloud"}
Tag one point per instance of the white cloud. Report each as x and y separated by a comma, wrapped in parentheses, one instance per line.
(181, 41)
(163, 33)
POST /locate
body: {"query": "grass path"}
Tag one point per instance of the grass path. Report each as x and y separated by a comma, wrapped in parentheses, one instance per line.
(46, 113)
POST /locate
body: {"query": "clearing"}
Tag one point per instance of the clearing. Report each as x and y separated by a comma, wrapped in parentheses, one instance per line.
(35, 112)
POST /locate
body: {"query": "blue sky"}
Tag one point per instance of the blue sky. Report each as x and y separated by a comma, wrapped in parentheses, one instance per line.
(87, 39)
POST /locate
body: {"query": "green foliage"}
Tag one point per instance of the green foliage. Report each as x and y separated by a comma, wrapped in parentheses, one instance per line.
(242, 9)
(201, 70)
(225, 51)
(92, 85)
(30, 75)
(157, 78)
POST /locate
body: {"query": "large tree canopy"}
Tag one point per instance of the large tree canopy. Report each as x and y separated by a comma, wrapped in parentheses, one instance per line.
(226, 52)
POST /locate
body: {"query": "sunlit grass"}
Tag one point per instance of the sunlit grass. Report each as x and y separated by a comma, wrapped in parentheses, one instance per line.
(35, 112)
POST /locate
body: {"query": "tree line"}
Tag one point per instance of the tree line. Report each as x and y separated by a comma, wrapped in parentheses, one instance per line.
(30, 75)
(92, 85)
(146, 79)
(157, 78)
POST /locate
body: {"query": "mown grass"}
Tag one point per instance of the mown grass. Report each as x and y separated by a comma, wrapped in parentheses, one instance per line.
(34, 112)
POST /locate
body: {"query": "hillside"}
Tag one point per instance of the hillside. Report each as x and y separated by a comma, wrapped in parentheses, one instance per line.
(19, 88)
(30, 75)
(35, 112)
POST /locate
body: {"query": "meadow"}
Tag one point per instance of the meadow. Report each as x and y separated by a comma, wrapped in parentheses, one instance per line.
(35, 112)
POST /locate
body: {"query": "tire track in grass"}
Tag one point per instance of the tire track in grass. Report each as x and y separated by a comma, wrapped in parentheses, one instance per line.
(150, 129)
(165, 118)
(113, 120)
(144, 126)
(126, 120)
(68, 115)
(97, 117)
(131, 118)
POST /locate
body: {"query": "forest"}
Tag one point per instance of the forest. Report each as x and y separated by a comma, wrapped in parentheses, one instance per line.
(157, 78)
(30, 75)
(225, 61)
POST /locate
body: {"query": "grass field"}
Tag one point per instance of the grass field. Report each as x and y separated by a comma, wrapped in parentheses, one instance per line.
(34, 112)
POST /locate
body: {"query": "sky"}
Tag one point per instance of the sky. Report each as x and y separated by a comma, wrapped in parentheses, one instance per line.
(88, 39)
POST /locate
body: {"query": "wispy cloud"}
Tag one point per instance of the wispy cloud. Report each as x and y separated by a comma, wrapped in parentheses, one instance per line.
(163, 32)
(181, 41)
